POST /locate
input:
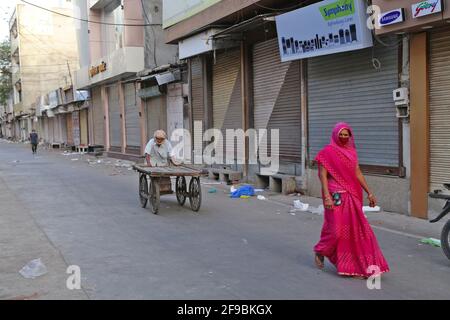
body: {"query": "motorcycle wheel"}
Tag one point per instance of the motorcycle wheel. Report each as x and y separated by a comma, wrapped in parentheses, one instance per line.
(445, 239)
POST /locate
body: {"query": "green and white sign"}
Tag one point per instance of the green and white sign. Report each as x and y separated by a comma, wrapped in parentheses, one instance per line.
(175, 11)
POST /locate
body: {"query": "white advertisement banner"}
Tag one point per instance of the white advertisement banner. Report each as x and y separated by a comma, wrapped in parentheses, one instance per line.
(323, 28)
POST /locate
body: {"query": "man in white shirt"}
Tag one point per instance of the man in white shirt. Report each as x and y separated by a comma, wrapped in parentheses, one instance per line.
(158, 151)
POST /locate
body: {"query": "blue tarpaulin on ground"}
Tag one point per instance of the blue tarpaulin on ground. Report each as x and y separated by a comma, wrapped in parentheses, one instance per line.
(243, 191)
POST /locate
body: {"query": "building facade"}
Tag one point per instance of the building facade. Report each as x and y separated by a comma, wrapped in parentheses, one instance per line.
(44, 55)
(130, 72)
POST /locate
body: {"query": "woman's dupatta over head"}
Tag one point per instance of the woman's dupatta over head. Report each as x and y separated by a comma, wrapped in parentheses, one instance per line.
(341, 161)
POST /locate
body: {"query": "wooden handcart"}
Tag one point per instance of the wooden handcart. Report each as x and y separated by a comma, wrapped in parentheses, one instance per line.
(156, 181)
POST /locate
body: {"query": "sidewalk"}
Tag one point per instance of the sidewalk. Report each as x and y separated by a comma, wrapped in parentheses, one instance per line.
(21, 240)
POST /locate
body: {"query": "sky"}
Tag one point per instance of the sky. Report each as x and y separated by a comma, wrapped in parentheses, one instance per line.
(6, 9)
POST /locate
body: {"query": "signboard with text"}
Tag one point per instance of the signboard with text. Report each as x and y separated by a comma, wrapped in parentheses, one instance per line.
(323, 28)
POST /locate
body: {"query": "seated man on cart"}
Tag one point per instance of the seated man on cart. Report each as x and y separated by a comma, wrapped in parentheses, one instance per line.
(159, 153)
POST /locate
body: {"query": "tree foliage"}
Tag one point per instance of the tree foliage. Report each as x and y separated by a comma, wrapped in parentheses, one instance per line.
(5, 71)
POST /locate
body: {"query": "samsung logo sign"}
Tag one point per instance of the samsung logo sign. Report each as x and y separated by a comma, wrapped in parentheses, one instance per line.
(391, 17)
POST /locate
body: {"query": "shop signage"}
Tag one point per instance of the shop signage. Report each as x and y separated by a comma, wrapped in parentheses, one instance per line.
(96, 70)
(425, 8)
(392, 17)
(322, 28)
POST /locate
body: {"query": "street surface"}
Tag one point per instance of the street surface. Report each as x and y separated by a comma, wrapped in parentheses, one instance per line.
(68, 211)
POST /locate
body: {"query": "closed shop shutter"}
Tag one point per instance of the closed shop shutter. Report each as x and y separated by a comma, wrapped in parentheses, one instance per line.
(98, 117)
(156, 115)
(69, 129)
(76, 127)
(132, 116)
(227, 101)
(276, 92)
(63, 123)
(46, 138)
(439, 108)
(84, 136)
(115, 123)
(57, 129)
(346, 87)
(197, 100)
(51, 129)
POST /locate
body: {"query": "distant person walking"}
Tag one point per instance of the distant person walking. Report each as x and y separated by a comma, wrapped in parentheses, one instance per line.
(347, 239)
(34, 139)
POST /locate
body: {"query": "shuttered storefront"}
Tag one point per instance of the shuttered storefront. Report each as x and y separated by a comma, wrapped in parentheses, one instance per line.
(63, 124)
(98, 117)
(51, 129)
(156, 115)
(276, 94)
(346, 87)
(226, 96)
(197, 100)
(132, 123)
(115, 123)
(439, 77)
(84, 135)
(69, 124)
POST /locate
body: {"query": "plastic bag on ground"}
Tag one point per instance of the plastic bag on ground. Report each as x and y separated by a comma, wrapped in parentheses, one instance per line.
(369, 209)
(260, 197)
(318, 210)
(33, 269)
(431, 241)
(300, 205)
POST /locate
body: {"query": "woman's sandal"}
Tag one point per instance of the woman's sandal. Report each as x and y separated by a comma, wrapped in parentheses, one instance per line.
(319, 259)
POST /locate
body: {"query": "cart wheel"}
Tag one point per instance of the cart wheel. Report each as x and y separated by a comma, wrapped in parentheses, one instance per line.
(181, 190)
(195, 194)
(154, 194)
(143, 190)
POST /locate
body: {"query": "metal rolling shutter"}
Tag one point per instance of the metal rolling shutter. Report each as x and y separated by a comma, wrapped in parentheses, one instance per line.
(346, 87)
(51, 130)
(115, 124)
(439, 109)
(156, 115)
(69, 120)
(132, 116)
(98, 117)
(63, 128)
(276, 91)
(45, 133)
(197, 101)
(227, 100)
(84, 136)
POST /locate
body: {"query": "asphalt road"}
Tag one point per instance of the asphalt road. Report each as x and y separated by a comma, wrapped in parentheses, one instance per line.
(89, 216)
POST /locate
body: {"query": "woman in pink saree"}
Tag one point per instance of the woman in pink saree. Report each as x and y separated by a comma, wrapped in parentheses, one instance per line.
(347, 239)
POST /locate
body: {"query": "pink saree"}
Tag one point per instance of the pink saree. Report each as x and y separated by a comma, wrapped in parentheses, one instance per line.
(347, 239)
